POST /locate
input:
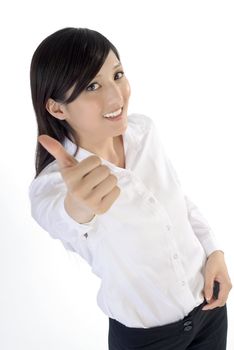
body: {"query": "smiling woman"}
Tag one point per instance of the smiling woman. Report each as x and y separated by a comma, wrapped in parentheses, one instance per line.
(76, 85)
(105, 187)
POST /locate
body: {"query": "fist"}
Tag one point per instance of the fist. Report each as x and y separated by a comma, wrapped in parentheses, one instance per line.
(90, 185)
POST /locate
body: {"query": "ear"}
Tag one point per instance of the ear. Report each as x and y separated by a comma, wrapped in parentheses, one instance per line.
(56, 109)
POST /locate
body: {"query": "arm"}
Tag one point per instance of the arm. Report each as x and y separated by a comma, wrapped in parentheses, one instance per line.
(201, 228)
(67, 195)
(199, 224)
(47, 195)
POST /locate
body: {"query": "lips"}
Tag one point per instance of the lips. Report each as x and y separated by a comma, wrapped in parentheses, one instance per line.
(118, 111)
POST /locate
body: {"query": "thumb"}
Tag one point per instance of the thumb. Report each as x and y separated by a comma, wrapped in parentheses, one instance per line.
(208, 290)
(56, 149)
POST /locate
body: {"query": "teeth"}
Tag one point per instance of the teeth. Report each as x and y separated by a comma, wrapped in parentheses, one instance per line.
(114, 114)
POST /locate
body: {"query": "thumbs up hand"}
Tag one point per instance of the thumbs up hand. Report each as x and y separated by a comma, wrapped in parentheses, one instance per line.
(91, 188)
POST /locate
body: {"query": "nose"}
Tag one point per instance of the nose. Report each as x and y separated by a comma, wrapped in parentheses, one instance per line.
(114, 98)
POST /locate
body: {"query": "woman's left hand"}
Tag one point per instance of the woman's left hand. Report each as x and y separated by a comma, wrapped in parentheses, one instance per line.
(216, 270)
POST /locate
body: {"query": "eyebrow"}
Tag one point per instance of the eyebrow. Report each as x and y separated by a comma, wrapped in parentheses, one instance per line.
(115, 66)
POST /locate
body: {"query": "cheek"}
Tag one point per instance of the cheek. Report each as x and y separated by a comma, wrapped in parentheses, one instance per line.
(127, 90)
(86, 109)
(91, 112)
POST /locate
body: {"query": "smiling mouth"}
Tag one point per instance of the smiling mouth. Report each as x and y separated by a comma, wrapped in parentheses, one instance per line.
(114, 114)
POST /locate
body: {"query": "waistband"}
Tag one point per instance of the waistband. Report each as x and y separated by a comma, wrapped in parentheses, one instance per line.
(172, 328)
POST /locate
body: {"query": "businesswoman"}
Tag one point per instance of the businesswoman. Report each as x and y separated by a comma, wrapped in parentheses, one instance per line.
(105, 187)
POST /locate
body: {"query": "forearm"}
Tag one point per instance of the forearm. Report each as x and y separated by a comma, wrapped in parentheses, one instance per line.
(201, 228)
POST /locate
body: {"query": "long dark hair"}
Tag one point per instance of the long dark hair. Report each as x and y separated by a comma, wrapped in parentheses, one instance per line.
(68, 57)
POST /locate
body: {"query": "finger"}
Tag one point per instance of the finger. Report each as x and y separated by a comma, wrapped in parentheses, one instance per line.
(97, 176)
(108, 200)
(208, 290)
(56, 149)
(213, 304)
(218, 301)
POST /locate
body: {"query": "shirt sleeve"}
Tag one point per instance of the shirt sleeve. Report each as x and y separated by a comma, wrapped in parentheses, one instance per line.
(47, 193)
(201, 228)
(198, 222)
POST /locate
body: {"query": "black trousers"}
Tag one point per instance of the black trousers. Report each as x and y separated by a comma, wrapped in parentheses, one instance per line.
(199, 330)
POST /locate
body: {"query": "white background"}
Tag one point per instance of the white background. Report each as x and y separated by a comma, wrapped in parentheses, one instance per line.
(178, 57)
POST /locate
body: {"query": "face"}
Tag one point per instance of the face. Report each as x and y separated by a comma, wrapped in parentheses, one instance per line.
(108, 92)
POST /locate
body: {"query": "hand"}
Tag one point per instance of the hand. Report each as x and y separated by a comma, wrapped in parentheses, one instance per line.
(216, 270)
(89, 183)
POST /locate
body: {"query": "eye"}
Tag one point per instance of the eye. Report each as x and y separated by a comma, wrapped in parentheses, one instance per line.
(89, 88)
(121, 72)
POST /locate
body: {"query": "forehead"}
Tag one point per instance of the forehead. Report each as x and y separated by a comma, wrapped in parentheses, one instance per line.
(110, 62)
(111, 57)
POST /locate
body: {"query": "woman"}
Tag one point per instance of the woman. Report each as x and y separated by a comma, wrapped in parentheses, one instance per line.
(105, 187)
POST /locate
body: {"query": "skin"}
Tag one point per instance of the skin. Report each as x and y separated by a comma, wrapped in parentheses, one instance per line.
(102, 137)
(216, 270)
(107, 93)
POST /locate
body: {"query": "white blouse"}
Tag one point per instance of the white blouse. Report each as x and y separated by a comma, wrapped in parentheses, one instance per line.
(150, 248)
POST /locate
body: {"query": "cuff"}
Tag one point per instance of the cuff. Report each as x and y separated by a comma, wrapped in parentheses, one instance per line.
(211, 244)
(72, 228)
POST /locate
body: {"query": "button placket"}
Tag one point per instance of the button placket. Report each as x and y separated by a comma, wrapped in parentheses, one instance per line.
(177, 262)
(175, 255)
(168, 227)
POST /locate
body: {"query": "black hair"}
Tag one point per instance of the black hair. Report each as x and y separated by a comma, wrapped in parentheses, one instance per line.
(70, 57)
